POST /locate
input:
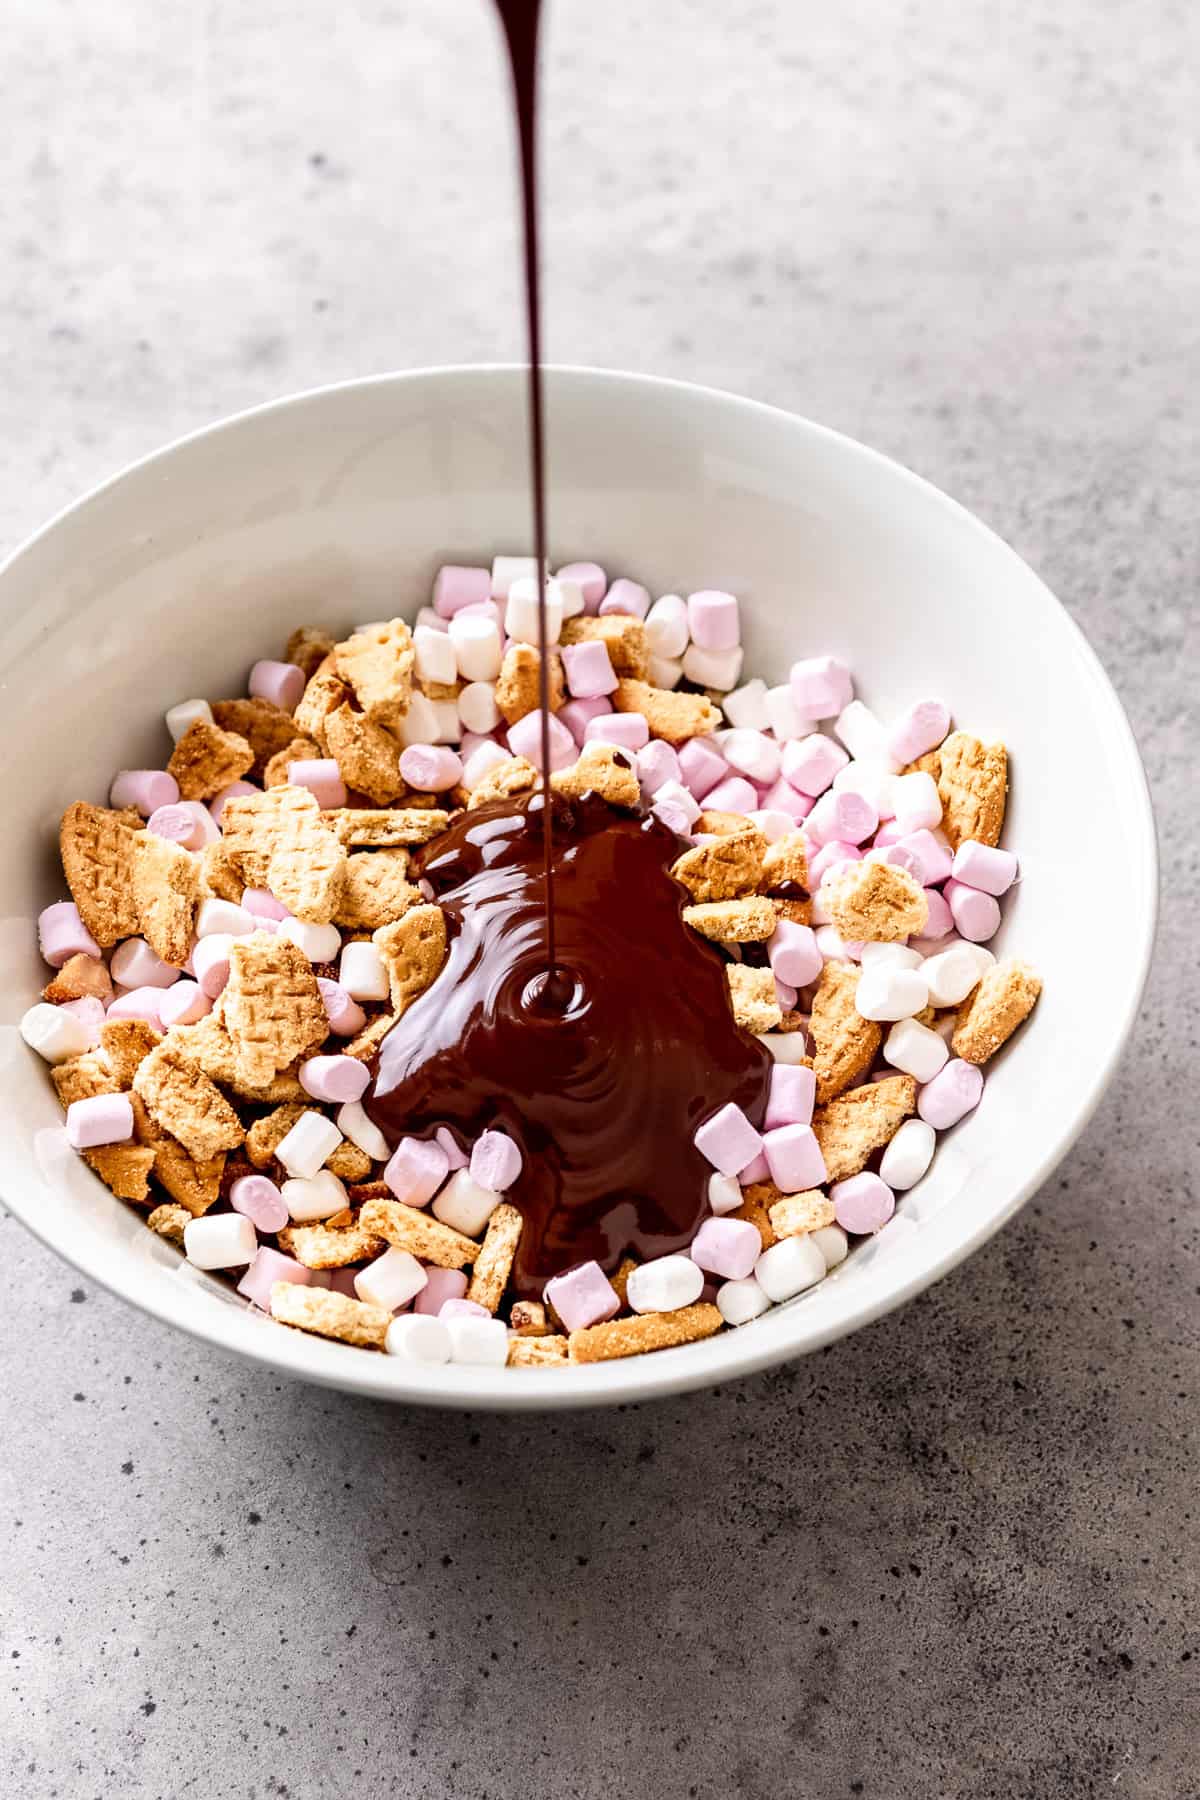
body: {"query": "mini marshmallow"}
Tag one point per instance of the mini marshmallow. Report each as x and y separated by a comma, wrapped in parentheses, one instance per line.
(346, 1017)
(667, 627)
(521, 612)
(626, 731)
(180, 717)
(313, 1197)
(456, 1158)
(495, 1162)
(772, 824)
(319, 943)
(665, 671)
(334, 1078)
(734, 794)
(213, 916)
(976, 915)
(589, 578)
(139, 1003)
(90, 1013)
(482, 760)
(794, 1158)
(177, 823)
(100, 1119)
(981, 866)
(701, 766)
(830, 856)
(415, 1338)
(577, 715)
(260, 1200)
(793, 954)
(477, 706)
(310, 1143)
(232, 790)
(210, 962)
(440, 1285)
(571, 595)
(784, 716)
(146, 789)
(786, 1047)
(782, 797)
(916, 802)
(915, 1049)
(746, 708)
(353, 1123)
(219, 1241)
(588, 670)
(268, 1267)
(843, 815)
(205, 829)
(134, 964)
(435, 660)
(932, 858)
(713, 620)
(391, 1281)
(899, 955)
(728, 1140)
(666, 1283)
(753, 754)
(951, 1095)
(582, 1296)
(921, 728)
(480, 1342)
(628, 597)
(282, 683)
(363, 973)
(832, 944)
(455, 1308)
(726, 1247)
(433, 621)
(717, 669)
(464, 1205)
(757, 1169)
(525, 739)
(908, 1155)
(810, 763)
(477, 647)
(456, 585)
(952, 974)
(421, 724)
(886, 992)
(63, 934)
(657, 763)
(832, 1243)
(863, 1204)
(416, 1171)
(673, 799)
(791, 1096)
(430, 767)
(724, 1194)
(322, 777)
(263, 904)
(507, 569)
(863, 735)
(873, 780)
(821, 687)
(740, 1301)
(941, 920)
(788, 1267)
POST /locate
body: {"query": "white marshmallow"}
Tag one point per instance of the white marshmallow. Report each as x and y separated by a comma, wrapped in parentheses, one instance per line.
(420, 723)
(477, 647)
(908, 1155)
(665, 671)
(740, 1301)
(465, 1206)
(664, 1284)
(483, 1342)
(952, 974)
(363, 973)
(363, 1132)
(57, 1036)
(392, 1280)
(435, 658)
(887, 992)
(833, 1244)
(752, 754)
(915, 1049)
(724, 1193)
(224, 916)
(788, 1267)
(313, 1197)
(830, 943)
(180, 717)
(667, 627)
(746, 707)
(916, 803)
(320, 943)
(773, 824)
(507, 569)
(311, 1142)
(448, 725)
(784, 1046)
(898, 955)
(571, 594)
(674, 793)
(521, 612)
(863, 735)
(220, 1241)
(870, 779)
(784, 716)
(482, 758)
(477, 707)
(418, 1338)
(719, 669)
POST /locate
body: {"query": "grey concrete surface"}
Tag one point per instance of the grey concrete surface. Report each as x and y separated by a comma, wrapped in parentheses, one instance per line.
(956, 1556)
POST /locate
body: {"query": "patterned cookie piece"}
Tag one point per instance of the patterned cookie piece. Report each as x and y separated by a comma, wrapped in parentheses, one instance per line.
(493, 1264)
(754, 997)
(725, 869)
(785, 865)
(751, 920)
(96, 845)
(516, 776)
(407, 1228)
(646, 1331)
(874, 903)
(206, 759)
(844, 1044)
(601, 769)
(670, 715)
(273, 1009)
(973, 784)
(280, 843)
(378, 665)
(326, 691)
(297, 749)
(367, 756)
(308, 647)
(624, 638)
(413, 950)
(376, 890)
(124, 1169)
(330, 1314)
(182, 1101)
(267, 728)
(854, 1125)
(166, 892)
(517, 685)
(991, 1013)
(367, 829)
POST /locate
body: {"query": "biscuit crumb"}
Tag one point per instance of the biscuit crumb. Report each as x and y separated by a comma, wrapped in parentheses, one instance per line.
(785, 863)
(725, 869)
(378, 664)
(517, 685)
(623, 637)
(494, 1262)
(793, 1215)
(184, 1102)
(991, 1013)
(125, 1044)
(206, 759)
(751, 920)
(367, 756)
(516, 776)
(642, 1332)
(81, 977)
(169, 1222)
(410, 1229)
(273, 1010)
(367, 829)
(376, 890)
(96, 845)
(602, 769)
(671, 714)
(266, 728)
(849, 1128)
(123, 1168)
(413, 949)
(281, 844)
(330, 1314)
(166, 889)
(844, 1044)
(973, 784)
(548, 1352)
(874, 903)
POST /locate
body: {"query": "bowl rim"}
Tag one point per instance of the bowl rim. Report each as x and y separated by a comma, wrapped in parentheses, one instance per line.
(669, 1371)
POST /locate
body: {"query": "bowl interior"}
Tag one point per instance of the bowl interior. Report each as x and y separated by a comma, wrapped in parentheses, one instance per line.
(338, 506)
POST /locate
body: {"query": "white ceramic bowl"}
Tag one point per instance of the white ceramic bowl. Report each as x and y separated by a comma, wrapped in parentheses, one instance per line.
(339, 505)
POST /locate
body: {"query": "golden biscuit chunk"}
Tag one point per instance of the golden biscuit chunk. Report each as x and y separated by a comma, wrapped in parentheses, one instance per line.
(622, 636)
(672, 715)
(308, 647)
(184, 1102)
(329, 1314)
(619, 1283)
(874, 903)
(748, 921)
(516, 776)
(194, 1185)
(297, 749)
(376, 890)
(124, 1045)
(407, 1228)
(973, 785)
(206, 759)
(724, 824)
(991, 1013)
(754, 997)
(364, 1046)
(494, 1262)
(929, 764)
(96, 845)
(220, 875)
(844, 1044)
(280, 843)
(793, 1215)
(170, 1222)
(643, 1332)
(367, 756)
(538, 1352)
(724, 869)
(849, 1128)
(81, 977)
(326, 691)
(267, 728)
(83, 1078)
(378, 665)
(413, 950)
(785, 863)
(166, 892)
(600, 769)
(528, 1318)
(123, 1168)
(273, 1010)
(757, 1200)
(518, 684)
(324, 1247)
(371, 829)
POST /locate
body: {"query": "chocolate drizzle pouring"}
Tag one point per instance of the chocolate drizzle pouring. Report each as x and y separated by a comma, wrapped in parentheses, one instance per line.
(603, 1096)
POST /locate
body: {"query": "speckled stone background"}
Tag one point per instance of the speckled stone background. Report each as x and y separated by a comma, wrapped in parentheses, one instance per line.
(957, 1555)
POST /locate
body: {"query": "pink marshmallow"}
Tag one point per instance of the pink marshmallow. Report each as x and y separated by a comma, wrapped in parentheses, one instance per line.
(734, 794)
(941, 919)
(263, 904)
(282, 683)
(810, 763)
(922, 728)
(713, 620)
(588, 670)
(899, 858)
(525, 739)
(457, 1308)
(101, 1119)
(794, 1158)
(793, 954)
(727, 1247)
(781, 796)
(841, 814)
(981, 866)
(456, 1157)
(626, 597)
(791, 1096)
(889, 833)
(576, 715)
(231, 791)
(431, 767)
(583, 1296)
(701, 766)
(656, 763)
(416, 1171)
(207, 831)
(175, 823)
(728, 1140)
(591, 580)
(828, 857)
(440, 1285)
(90, 1013)
(322, 777)
(933, 858)
(821, 687)
(495, 1161)
(755, 1170)
(628, 731)
(147, 789)
(334, 1078)
(210, 962)
(63, 934)
(456, 585)
(954, 1092)
(268, 1267)
(261, 1201)
(139, 1003)
(135, 964)
(184, 1003)
(862, 1204)
(346, 1016)
(341, 1281)
(976, 915)
(483, 609)
(786, 995)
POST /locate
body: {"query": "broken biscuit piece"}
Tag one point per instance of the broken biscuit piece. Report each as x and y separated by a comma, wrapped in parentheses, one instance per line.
(367, 756)
(326, 691)
(754, 997)
(407, 1228)
(273, 1010)
(96, 845)
(548, 1352)
(645, 1331)
(281, 844)
(844, 1044)
(80, 977)
(377, 664)
(413, 949)
(973, 784)
(726, 868)
(123, 1168)
(368, 829)
(792, 1215)
(125, 1044)
(376, 890)
(849, 1128)
(184, 1102)
(519, 681)
(166, 892)
(623, 637)
(990, 1014)
(278, 772)
(267, 728)
(330, 1314)
(326, 1247)
(602, 769)
(751, 920)
(308, 647)
(206, 759)
(874, 903)
(515, 776)
(670, 714)
(494, 1261)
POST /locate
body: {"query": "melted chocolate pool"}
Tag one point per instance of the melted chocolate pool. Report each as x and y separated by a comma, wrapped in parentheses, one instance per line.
(603, 1094)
